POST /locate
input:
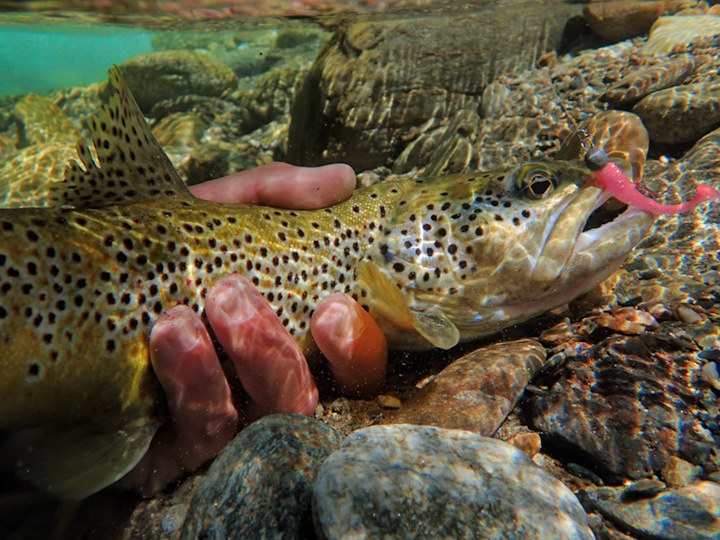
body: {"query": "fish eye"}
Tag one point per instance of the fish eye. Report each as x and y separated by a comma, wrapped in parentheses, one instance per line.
(539, 185)
(536, 182)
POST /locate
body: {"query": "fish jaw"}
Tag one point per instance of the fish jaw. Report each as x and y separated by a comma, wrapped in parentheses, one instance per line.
(593, 256)
(576, 256)
(497, 253)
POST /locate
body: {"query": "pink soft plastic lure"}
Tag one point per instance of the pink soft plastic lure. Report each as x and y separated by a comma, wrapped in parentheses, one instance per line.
(611, 178)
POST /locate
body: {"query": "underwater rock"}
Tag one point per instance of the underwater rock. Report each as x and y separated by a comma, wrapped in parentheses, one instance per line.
(45, 139)
(691, 512)
(205, 163)
(679, 473)
(411, 481)
(625, 406)
(271, 97)
(477, 391)
(682, 33)
(616, 21)
(204, 106)
(179, 129)
(681, 114)
(445, 149)
(166, 75)
(249, 61)
(639, 83)
(260, 485)
(377, 83)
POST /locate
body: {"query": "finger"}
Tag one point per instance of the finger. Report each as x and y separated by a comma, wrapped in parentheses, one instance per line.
(199, 399)
(353, 344)
(189, 371)
(282, 185)
(269, 362)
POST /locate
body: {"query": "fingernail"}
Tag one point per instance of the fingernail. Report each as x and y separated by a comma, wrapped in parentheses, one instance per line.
(235, 301)
(348, 326)
(182, 335)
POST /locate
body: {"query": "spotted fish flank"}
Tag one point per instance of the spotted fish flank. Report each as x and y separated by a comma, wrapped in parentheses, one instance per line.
(434, 261)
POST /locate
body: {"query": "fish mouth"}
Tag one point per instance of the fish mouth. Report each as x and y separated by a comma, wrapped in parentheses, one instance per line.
(589, 232)
(606, 211)
(611, 219)
(587, 239)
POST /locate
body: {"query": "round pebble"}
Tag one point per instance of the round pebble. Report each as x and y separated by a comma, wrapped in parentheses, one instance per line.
(260, 485)
(407, 481)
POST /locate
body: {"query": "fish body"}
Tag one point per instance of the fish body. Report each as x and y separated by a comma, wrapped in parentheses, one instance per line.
(434, 262)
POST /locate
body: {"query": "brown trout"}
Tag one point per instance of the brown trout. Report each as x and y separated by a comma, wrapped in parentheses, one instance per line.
(434, 261)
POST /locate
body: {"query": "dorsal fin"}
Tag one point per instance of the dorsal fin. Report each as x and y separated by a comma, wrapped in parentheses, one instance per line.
(128, 163)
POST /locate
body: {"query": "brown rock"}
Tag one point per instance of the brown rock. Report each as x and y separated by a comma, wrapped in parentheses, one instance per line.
(626, 320)
(679, 473)
(378, 85)
(625, 407)
(527, 441)
(616, 21)
(477, 391)
(167, 75)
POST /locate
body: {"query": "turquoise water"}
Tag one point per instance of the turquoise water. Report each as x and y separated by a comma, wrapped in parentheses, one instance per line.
(44, 58)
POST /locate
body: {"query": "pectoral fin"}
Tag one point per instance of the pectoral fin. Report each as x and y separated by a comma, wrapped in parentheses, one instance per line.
(437, 329)
(394, 305)
(75, 463)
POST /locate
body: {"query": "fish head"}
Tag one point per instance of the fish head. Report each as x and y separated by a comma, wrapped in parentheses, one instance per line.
(484, 251)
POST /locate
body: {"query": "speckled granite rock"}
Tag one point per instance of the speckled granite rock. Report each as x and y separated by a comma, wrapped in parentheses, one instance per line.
(260, 485)
(690, 513)
(410, 481)
(165, 75)
(477, 391)
(377, 83)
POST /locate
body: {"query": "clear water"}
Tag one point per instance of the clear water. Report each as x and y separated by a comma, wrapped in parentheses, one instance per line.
(58, 54)
(38, 58)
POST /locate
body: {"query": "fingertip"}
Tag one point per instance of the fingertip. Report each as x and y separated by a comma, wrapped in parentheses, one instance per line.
(178, 331)
(336, 183)
(267, 359)
(345, 176)
(232, 300)
(353, 344)
(187, 366)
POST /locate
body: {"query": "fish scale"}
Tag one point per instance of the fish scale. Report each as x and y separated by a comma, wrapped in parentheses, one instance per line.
(434, 261)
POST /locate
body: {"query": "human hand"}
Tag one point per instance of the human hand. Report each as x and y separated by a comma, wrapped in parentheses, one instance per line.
(268, 361)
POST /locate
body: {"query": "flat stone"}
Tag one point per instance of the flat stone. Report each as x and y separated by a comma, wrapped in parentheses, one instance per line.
(407, 481)
(681, 114)
(260, 485)
(638, 83)
(682, 33)
(477, 391)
